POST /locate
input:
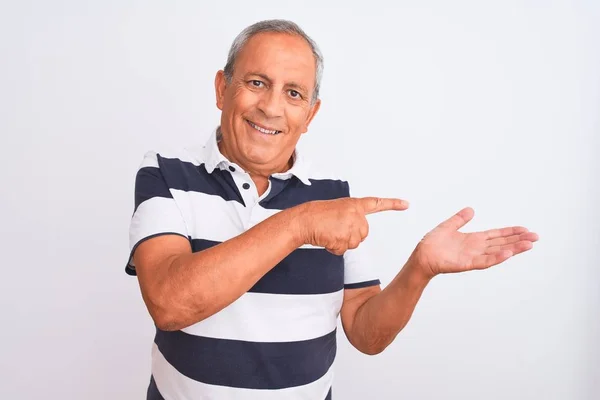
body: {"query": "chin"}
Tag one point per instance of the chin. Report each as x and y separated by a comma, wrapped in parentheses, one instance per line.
(258, 155)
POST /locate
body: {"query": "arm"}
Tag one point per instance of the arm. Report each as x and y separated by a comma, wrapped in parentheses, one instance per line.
(181, 288)
(372, 318)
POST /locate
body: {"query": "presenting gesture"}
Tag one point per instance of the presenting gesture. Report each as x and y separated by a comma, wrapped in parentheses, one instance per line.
(446, 250)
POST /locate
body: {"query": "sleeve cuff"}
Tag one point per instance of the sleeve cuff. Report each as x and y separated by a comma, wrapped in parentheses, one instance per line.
(359, 285)
(130, 267)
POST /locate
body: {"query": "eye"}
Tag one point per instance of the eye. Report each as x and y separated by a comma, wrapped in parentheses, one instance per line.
(295, 95)
(256, 83)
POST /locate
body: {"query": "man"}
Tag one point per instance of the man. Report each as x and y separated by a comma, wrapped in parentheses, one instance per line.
(245, 256)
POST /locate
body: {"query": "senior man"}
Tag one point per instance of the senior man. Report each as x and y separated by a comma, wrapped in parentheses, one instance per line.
(246, 257)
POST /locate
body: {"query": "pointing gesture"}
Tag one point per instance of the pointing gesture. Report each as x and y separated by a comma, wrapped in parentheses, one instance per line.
(446, 250)
(371, 205)
(341, 224)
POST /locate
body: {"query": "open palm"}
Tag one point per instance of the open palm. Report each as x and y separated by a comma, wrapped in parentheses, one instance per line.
(445, 250)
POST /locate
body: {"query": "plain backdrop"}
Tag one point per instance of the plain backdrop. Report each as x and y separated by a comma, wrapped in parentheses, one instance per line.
(493, 105)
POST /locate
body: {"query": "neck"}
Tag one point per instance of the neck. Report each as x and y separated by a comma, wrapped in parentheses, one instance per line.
(259, 174)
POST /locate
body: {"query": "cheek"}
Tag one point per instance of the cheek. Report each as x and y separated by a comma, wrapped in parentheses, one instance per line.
(296, 117)
(244, 100)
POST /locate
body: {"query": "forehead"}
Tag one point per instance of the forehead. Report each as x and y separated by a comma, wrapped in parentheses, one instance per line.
(282, 57)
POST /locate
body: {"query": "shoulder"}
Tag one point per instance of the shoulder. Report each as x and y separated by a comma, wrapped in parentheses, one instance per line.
(327, 177)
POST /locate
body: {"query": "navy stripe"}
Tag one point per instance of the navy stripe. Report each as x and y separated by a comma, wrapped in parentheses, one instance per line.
(183, 175)
(328, 395)
(303, 271)
(256, 365)
(292, 192)
(362, 284)
(153, 393)
(149, 183)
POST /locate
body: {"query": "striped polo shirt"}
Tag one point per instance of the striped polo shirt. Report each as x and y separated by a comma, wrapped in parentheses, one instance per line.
(278, 340)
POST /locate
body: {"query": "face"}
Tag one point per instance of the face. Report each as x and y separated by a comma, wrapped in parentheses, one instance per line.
(267, 105)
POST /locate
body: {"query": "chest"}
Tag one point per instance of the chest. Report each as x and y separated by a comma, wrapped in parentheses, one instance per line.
(226, 208)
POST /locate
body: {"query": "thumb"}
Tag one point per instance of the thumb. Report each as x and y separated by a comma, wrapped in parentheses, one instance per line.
(459, 219)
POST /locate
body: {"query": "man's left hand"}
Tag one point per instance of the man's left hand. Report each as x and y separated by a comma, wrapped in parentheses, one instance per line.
(445, 250)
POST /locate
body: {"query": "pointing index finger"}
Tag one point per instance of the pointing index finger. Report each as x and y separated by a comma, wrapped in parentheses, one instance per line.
(372, 205)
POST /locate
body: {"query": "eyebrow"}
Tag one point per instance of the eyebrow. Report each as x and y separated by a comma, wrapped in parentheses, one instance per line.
(293, 85)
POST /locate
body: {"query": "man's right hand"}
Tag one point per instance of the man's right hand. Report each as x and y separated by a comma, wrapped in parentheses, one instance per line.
(341, 224)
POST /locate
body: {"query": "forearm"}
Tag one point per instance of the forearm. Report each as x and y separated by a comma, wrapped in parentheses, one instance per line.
(383, 316)
(197, 285)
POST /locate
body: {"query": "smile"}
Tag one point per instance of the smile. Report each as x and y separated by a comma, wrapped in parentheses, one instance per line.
(263, 130)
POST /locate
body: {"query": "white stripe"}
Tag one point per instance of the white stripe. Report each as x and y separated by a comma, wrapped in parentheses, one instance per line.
(216, 219)
(211, 217)
(265, 317)
(154, 216)
(358, 264)
(172, 385)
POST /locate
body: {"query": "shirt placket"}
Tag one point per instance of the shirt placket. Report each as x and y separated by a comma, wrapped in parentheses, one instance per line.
(249, 194)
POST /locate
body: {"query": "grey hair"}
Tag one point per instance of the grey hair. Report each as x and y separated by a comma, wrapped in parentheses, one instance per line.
(277, 26)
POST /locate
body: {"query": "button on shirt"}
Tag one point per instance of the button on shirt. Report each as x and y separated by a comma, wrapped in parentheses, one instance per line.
(278, 340)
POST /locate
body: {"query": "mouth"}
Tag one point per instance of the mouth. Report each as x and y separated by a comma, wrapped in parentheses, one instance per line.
(264, 130)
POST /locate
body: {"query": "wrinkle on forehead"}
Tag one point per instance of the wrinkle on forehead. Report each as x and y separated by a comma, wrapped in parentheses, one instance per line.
(286, 59)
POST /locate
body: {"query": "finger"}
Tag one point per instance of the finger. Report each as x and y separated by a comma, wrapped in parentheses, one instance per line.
(338, 250)
(515, 248)
(354, 241)
(501, 241)
(372, 205)
(511, 230)
(364, 230)
(459, 219)
(488, 260)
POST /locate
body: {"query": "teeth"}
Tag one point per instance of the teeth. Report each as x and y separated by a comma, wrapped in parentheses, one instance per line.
(258, 128)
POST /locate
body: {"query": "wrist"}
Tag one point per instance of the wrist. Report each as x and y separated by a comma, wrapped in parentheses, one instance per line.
(297, 224)
(418, 272)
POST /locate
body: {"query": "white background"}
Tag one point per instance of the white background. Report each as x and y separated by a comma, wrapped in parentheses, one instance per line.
(446, 104)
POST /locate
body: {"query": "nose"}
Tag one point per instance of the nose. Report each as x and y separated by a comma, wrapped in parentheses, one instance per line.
(271, 104)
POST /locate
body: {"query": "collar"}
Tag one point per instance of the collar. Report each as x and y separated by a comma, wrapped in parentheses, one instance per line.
(213, 158)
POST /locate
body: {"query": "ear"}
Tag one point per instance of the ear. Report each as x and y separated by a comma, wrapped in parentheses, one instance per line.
(311, 114)
(220, 86)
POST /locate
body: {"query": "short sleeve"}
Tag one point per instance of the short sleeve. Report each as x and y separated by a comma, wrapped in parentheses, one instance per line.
(155, 211)
(359, 270)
